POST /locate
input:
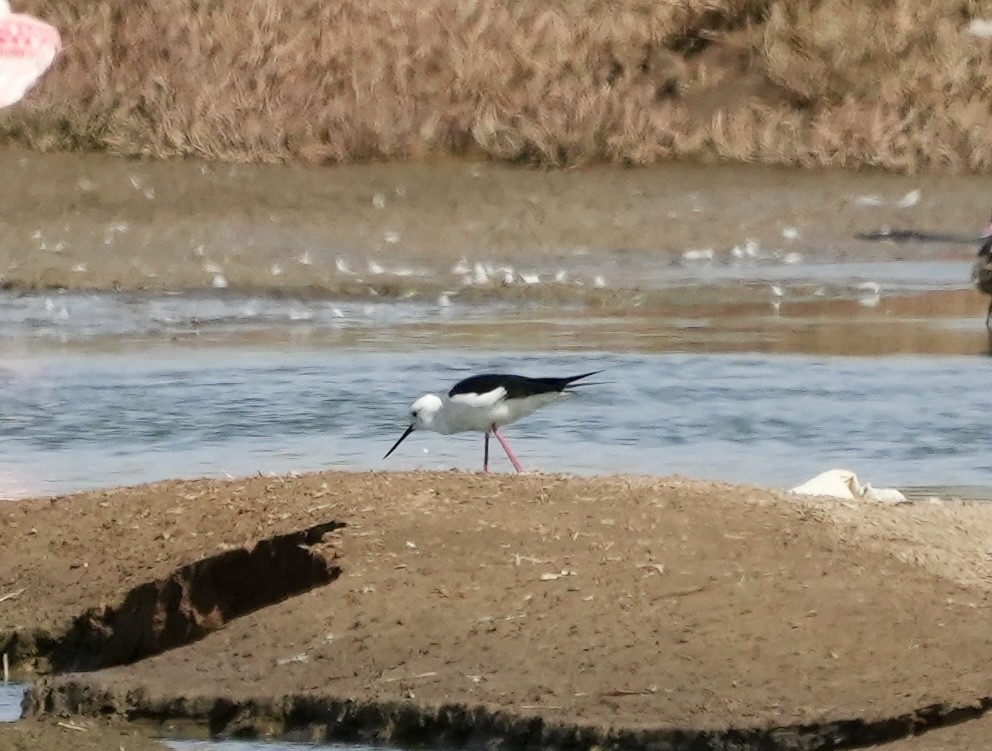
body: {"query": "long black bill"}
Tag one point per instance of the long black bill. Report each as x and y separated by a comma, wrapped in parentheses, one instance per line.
(402, 437)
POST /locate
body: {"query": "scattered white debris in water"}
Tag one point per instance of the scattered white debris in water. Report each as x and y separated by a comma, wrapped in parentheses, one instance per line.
(561, 276)
(790, 233)
(871, 199)
(375, 268)
(305, 258)
(379, 201)
(909, 200)
(461, 268)
(391, 237)
(275, 269)
(79, 268)
(792, 257)
(703, 254)
(444, 299)
(873, 297)
(342, 266)
(599, 282)
(530, 278)
(479, 274)
(749, 250)
(114, 229)
(219, 282)
(212, 268)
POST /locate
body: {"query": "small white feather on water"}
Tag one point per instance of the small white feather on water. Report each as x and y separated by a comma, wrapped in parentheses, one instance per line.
(701, 254)
(392, 238)
(275, 269)
(342, 266)
(599, 282)
(870, 199)
(480, 274)
(873, 297)
(375, 268)
(790, 233)
(219, 281)
(379, 201)
(909, 200)
(305, 258)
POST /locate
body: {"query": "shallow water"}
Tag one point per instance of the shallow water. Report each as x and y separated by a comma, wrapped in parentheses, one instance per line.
(71, 422)
(260, 746)
(10, 701)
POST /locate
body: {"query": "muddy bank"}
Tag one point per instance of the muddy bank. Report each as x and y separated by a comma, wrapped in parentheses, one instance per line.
(77, 733)
(635, 604)
(402, 231)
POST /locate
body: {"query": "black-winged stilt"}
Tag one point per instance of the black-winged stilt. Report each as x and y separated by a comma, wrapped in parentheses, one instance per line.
(486, 403)
(981, 272)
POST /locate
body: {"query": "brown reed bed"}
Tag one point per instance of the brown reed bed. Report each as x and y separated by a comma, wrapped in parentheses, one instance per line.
(896, 84)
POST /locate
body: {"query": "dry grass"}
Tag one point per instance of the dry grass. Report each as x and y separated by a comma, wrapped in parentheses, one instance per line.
(897, 84)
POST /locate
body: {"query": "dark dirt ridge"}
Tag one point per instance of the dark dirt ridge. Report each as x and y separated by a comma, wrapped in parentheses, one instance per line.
(345, 720)
(824, 600)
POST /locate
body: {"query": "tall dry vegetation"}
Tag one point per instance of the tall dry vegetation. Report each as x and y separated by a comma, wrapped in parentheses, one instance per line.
(895, 83)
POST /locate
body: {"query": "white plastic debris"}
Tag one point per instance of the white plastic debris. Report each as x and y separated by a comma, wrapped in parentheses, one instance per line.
(844, 484)
(980, 28)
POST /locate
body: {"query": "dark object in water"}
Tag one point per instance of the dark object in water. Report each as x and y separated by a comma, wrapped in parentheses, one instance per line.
(981, 271)
(913, 236)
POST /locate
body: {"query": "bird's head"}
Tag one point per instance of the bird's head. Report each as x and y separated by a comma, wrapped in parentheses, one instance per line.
(423, 413)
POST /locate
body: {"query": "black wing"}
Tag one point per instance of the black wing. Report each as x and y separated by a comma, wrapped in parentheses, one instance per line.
(517, 387)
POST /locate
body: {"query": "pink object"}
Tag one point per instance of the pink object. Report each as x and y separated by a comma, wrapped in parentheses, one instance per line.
(27, 49)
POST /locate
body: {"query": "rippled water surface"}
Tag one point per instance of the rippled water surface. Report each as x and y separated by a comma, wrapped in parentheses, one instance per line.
(71, 421)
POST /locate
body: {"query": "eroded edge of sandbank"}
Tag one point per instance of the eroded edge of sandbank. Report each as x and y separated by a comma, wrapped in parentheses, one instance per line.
(314, 717)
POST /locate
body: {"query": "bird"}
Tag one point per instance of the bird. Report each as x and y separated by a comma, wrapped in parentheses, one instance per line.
(28, 47)
(486, 403)
(981, 271)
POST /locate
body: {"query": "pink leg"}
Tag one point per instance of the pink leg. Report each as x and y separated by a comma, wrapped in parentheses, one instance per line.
(508, 450)
(485, 455)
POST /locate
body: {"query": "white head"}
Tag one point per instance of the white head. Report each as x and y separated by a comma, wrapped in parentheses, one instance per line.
(424, 412)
